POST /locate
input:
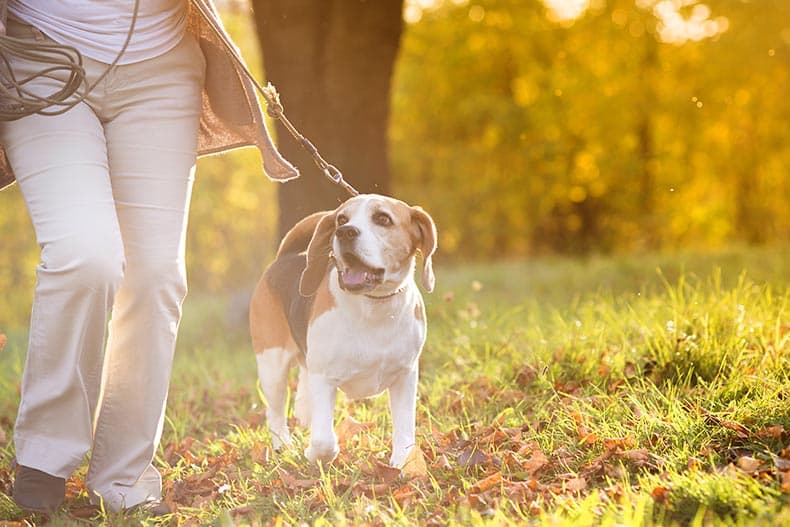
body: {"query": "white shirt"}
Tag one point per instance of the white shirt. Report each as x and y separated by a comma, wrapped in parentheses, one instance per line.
(98, 29)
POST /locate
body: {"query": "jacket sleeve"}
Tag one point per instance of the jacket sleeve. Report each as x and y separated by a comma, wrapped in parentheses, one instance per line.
(6, 173)
(232, 116)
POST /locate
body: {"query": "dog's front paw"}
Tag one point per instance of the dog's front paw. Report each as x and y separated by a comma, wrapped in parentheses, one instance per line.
(324, 451)
(398, 459)
(402, 453)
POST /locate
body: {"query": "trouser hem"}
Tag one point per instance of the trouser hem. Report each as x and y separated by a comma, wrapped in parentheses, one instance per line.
(47, 455)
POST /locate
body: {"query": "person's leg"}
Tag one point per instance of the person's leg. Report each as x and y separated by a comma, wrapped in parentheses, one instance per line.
(61, 167)
(153, 118)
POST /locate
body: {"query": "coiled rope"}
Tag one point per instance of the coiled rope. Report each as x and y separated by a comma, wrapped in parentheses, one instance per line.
(59, 62)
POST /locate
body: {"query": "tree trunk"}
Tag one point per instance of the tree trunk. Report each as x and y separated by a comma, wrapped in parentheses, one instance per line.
(332, 62)
(647, 148)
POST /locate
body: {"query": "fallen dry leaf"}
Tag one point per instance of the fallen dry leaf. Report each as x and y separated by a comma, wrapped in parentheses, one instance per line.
(526, 375)
(730, 471)
(535, 463)
(170, 501)
(487, 483)
(748, 463)
(495, 437)
(660, 494)
(381, 470)
(782, 464)
(442, 463)
(201, 500)
(740, 430)
(588, 439)
(243, 510)
(403, 495)
(3, 340)
(472, 457)
(291, 481)
(84, 512)
(174, 451)
(520, 491)
(622, 443)
(640, 457)
(785, 481)
(260, 453)
(415, 466)
(371, 490)
(349, 427)
(477, 501)
(612, 470)
(576, 484)
(75, 486)
(771, 432)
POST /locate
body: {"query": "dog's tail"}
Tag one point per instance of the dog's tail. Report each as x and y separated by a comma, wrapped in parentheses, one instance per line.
(298, 238)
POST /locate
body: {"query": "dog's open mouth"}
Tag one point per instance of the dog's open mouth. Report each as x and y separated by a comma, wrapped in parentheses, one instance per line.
(355, 275)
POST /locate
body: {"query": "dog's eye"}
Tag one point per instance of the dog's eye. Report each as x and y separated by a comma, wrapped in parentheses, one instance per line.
(342, 219)
(382, 219)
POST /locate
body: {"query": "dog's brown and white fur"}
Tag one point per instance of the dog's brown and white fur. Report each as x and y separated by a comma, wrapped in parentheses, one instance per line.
(340, 300)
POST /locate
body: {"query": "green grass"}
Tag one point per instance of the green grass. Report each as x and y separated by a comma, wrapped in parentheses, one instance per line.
(638, 391)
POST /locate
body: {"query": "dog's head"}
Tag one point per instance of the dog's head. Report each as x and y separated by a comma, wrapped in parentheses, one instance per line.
(373, 240)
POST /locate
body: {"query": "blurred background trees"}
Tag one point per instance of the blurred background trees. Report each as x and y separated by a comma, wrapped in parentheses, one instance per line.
(525, 127)
(638, 124)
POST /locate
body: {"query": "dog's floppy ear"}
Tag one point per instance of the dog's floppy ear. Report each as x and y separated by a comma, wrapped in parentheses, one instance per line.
(318, 255)
(426, 243)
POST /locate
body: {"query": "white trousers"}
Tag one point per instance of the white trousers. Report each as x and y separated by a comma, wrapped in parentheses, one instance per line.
(107, 185)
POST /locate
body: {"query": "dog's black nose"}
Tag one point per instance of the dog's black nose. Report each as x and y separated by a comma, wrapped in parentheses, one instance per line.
(346, 233)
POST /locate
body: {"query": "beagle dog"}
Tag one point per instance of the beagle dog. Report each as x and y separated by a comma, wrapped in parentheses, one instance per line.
(340, 301)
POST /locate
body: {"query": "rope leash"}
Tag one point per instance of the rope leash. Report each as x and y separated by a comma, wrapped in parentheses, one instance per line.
(16, 101)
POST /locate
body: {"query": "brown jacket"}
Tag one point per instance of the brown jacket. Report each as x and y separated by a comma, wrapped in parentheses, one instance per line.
(232, 116)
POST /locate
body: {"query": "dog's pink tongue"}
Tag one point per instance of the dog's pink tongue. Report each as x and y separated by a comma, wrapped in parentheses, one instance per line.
(352, 277)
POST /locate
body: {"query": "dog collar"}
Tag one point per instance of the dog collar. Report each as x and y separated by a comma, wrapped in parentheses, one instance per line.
(389, 295)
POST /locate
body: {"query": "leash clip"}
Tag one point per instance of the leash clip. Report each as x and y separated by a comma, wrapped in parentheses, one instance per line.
(334, 174)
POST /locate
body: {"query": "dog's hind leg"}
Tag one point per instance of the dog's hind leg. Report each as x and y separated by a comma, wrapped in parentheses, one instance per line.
(273, 367)
(274, 351)
(302, 399)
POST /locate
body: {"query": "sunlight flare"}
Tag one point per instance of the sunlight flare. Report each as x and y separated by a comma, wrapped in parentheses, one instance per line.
(682, 20)
(566, 10)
